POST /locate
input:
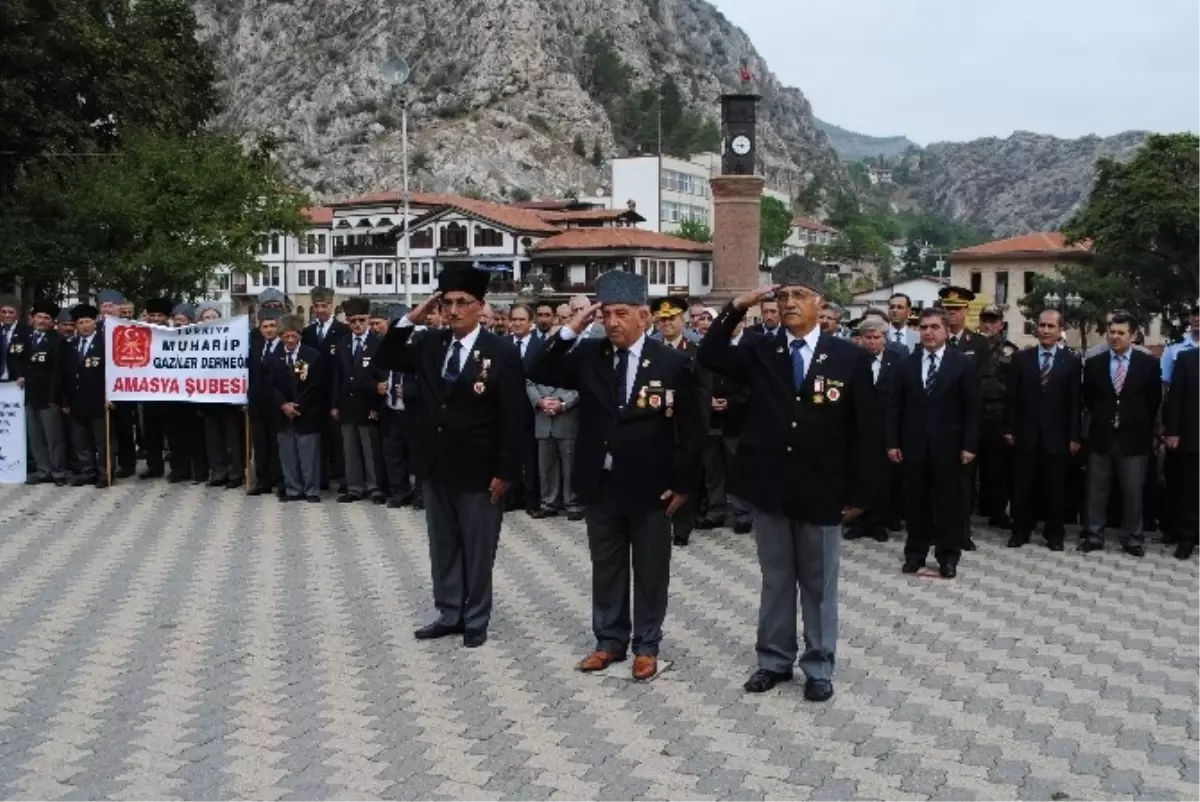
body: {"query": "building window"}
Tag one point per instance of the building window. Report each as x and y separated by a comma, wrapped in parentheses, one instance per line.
(976, 281)
(275, 244)
(1002, 287)
(641, 268)
(313, 244)
(223, 282)
(706, 273)
(1028, 281)
(1030, 328)
(426, 272)
(321, 277)
(454, 236)
(275, 276)
(488, 237)
(421, 239)
(674, 274)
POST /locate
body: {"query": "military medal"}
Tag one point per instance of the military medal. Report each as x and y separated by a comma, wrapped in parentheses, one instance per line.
(478, 387)
(818, 384)
(833, 394)
(818, 399)
(655, 402)
(641, 400)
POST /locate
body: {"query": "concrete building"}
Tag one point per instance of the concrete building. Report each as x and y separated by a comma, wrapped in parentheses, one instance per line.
(922, 291)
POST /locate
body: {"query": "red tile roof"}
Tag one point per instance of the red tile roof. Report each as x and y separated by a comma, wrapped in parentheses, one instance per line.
(813, 225)
(587, 214)
(394, 198)
(501, 213)
(624, 239)
(318, 215)
(1038, 244)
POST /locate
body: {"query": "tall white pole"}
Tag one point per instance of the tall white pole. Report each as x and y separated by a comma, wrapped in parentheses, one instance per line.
(408, 272)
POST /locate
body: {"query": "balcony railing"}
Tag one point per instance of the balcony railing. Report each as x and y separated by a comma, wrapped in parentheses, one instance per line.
(238, 287)
(453, 250)
(375, 248)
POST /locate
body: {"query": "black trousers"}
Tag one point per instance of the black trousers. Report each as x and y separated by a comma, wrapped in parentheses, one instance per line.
(154, 427)
(878, 513)
(1039, 485)
(332, 460)
(936, 506)
(185, 432)
(1187, 504)
(895, 480)
(264, 431)
(225, 443)
(123, 424)
(393, 428)
(995, 470)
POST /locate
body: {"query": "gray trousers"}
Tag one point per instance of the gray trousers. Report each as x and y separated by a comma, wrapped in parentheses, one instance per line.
(91, 447)
(224, 440)
(464, 531)
(358, 455)
(300, 458)
(44, 430)
(556, 458)
(791, 555)
(1130, 473)
(614, 537)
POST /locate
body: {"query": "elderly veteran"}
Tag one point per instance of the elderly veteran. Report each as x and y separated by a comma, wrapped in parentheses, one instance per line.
(224, 428)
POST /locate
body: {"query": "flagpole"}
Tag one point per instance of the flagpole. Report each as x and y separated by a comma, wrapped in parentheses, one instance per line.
(108, 443)
(246, 429)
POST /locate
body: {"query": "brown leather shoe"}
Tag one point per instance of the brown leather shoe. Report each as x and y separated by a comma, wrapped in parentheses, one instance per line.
(645, 666)
(599, 660)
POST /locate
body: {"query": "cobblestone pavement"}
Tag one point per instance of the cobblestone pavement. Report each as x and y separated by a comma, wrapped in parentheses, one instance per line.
(180, 642)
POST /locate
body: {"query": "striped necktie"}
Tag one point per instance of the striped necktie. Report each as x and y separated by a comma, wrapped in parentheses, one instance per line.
(1047, 364)
(1119, 376)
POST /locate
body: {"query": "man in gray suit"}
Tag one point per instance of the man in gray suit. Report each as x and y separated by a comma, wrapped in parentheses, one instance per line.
(555, 424)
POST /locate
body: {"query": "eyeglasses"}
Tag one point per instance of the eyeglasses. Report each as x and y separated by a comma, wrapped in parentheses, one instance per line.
(798, 295)
(456, 303)
(358, 319)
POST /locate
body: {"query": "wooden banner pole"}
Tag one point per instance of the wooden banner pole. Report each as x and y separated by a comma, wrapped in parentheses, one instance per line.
(246, 429)
(108, 443)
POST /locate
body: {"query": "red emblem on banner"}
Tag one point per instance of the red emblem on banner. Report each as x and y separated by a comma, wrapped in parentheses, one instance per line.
(131, 346)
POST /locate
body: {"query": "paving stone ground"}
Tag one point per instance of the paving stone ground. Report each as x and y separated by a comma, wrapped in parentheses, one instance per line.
(186, 643)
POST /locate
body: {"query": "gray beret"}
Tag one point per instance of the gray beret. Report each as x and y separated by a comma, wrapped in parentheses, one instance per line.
(8, 300)
(797, 271)
(270, 294)
(64, 317)
(109, 297)
(619, 287)
(203, 305)
(381, 311)
(269, 313)
(186, 310)
(321, 295)
(291, 323)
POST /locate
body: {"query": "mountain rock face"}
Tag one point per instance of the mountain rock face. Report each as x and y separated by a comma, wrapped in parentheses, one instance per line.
(1025, 182)
(495, 98)
(851, 145)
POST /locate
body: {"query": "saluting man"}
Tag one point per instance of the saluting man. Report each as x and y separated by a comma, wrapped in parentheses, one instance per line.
(471, 402)
(637, 460)
(356, 403)
(806, 462)
(327, 334)
(39, 375)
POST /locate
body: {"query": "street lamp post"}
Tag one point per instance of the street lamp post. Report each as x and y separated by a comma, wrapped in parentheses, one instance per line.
(395, 72)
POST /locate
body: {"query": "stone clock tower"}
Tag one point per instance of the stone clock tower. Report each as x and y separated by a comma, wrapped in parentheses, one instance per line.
(737, 200)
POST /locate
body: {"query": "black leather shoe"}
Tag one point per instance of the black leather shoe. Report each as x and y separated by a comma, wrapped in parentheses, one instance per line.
(743, 528)
(313, 499)
(1054, 544)
(437, 630)
(234, 484)
(679, 541)
(575, 515)
(1090, 545)
(1184, 550)
(123, 473)
(61, 481)
(880, 534)
(948, 570)
(969, 544)
(80, 481)
(818, 690)
(912, 566)
(151, 474)
(763, 680)
(418, 504)
(1133, 550)
(710, 523)
(101, 484)
(1017, 541)
(378, 498)
(348, 498)
(216, 483)
(397, 503)
(852, 533)
(257, 491)
(473, 640)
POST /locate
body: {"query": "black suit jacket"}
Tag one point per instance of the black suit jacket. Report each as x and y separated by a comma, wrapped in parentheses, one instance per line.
(338, 331)
(1047, 414)
(469, 432)
(301, 384)
(943, 422)
(40, 369)
(808, 454)
(655, 445)
(83, 387)
(14, 355)
(258, 397)
(1181, 418)
(892, 360)
(1134, 409)
(356, 381)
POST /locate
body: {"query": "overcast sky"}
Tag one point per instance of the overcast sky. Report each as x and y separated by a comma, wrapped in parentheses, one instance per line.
(960, 69)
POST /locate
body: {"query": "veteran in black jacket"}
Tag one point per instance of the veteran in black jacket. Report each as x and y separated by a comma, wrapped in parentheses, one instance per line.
(885, 359)
(296, 384)
(471, 403)
(14, 337)
(637, 459)
(38, 373)
(83, 397)
(356, 403)
(328, 335)
(1181, 426)
(933, 423)
(807, 461)
(264, 415)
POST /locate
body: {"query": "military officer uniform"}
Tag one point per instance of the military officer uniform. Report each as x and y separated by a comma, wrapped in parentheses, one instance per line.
(224, 435)
(995, 472)
(973, 345)
(471, 402)
(639, 442)
(1181, 419)
(66, 339)
(39, 372)
(327, 336)
(83, 396)
(807, 454)
(13, 341)
(400, 428)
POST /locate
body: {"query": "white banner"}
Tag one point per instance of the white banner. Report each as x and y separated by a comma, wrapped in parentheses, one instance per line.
(204, 363)
(13, 447)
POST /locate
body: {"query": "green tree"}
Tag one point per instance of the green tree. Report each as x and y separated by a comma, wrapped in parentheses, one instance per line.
(597, 153)
(521, 195)
(844, 211)
(911, 265)
(157, 218)
(578, 146)
(1143, 220)
(694, 230)
(813, 194)
(774, 227)
(1100, 293)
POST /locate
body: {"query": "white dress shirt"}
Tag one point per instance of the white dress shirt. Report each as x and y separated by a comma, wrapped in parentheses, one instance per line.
(810, 340)
(940, 354)
(468, 342)
(631, 369)
(522, 343)
(876, 366)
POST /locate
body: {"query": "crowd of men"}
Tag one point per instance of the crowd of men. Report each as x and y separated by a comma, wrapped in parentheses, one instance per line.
(651, 419)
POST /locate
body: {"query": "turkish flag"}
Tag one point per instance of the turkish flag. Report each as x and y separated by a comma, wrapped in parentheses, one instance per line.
(746, 76)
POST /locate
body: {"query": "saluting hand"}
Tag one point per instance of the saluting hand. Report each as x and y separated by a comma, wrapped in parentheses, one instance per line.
(754, 297)
(579, 321)
(418, 315)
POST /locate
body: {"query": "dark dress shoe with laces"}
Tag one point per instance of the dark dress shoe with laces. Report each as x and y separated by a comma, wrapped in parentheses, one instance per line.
(348, 498)
(1134, 550)
(969, 544)
(473, 640)
(1090, 545)
(743, 528)
(818, 690)
(948, 570)
(1054, 544)
(1017, 541)
(438, 630)
(912, 566)
(764, 680)
(1184, 550)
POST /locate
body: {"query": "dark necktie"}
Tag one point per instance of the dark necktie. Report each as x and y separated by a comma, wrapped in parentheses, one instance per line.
(358, 346)
(929, 377)
(82, 347)
(454, 366)
(1047, 363)
(620, 385)
(900, 336)
(797, 349)
(321, 333)
(291, 359)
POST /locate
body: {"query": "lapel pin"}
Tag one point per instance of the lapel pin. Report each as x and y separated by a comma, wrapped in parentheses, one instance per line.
(779, 350)
(645, 363)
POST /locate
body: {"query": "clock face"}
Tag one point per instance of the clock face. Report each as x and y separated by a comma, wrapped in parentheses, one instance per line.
(740, 144)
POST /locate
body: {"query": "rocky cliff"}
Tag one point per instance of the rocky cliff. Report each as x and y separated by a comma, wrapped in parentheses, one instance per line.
(1025, 182)
(495, 98)
(852, 145)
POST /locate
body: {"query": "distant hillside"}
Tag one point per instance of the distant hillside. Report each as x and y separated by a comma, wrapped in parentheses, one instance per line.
(851, 145)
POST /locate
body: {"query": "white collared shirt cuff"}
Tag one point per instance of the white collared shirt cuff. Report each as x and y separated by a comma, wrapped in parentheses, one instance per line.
(567, 334)
(404, 323)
